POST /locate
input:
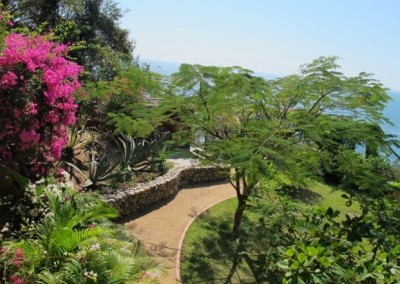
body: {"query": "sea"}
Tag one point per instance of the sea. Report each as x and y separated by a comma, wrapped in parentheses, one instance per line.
(392, 109)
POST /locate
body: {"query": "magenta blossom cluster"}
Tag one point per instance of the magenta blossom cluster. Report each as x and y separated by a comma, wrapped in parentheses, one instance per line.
(12, 262)
(37, 105)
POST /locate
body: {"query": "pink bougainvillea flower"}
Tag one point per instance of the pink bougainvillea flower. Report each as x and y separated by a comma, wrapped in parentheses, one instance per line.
(19, 253)
(38, 102)
(9, 79)
(16, 262)
(16, 279)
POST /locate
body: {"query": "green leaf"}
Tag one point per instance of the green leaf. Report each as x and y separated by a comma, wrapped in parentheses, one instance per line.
(284, 264)
(19, 179)
(290, 252)
(324, 261)
(295, 265)
(300, 281)
(301, 257)
(317, 279)
(382, 256)
(312, 251)
(395, 270)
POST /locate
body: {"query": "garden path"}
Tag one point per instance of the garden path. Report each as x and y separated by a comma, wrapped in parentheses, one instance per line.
(161, 227)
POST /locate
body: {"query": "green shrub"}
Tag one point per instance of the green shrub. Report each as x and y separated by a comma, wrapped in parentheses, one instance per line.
(74, 242)
(317, 246)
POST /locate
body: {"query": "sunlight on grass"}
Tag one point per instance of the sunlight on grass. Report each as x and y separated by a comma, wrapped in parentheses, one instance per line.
(208, 247)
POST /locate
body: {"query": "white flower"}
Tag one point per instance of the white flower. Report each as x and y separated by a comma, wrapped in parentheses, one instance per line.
(69, 184)
(5, 228)
(31, 187)
(95, 246)
(65, 175)
(42, 180)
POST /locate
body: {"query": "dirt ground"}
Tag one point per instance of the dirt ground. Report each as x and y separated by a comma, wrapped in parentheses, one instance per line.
(161, 227)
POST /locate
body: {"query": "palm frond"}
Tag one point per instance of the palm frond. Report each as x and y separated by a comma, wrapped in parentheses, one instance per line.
(46, 277)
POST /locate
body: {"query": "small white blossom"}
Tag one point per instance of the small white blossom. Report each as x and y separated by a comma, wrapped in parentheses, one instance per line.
(95, 246)
(42, 180)
(5, 228)
(66, 176)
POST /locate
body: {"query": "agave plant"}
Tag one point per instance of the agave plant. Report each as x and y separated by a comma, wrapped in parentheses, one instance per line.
(143, 155)
(100, 171)
(75, 134)
(14, 175)
(135, 156)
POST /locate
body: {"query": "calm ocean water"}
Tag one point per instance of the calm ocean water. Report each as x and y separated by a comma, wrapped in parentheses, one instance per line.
(392, 111)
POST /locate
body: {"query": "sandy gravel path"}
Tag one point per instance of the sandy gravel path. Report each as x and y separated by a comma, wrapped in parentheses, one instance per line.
(160, 227)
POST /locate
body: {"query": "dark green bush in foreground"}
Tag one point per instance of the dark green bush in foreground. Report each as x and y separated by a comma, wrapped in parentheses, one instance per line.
(290, 246)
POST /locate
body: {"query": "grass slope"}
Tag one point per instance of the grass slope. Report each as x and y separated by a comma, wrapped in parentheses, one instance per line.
(208, 248)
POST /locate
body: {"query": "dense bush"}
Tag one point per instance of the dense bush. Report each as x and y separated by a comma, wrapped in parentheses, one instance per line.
(73, 243)
(320, 246)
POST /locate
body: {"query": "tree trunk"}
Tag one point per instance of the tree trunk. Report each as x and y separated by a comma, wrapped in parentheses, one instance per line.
(237, 221)
(242, 200)
(235, 263)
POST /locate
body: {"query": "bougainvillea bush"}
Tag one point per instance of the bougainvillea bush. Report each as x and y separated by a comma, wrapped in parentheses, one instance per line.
(37, 105)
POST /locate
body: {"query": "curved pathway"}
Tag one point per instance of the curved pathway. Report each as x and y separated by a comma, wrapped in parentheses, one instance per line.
(161, 227)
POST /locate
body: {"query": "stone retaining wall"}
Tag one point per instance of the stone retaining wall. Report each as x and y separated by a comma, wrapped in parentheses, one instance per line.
(144, 194)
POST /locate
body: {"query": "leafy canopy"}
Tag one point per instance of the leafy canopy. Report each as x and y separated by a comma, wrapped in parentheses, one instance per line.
(308, 125)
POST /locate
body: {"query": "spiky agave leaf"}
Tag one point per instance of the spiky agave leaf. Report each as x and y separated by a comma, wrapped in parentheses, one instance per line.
(17, 177)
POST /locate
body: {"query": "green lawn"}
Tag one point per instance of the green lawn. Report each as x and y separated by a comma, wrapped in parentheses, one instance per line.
(208, 246)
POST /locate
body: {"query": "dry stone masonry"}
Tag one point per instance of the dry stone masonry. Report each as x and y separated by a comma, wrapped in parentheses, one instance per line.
(184, 172)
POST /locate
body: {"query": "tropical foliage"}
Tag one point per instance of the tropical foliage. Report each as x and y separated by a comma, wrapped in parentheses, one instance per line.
(317, 125)
(74, 243)
(296, 240)
(50, 232)
(312, 125)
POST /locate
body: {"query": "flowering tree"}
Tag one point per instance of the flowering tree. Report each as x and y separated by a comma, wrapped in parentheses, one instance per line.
(36, 102)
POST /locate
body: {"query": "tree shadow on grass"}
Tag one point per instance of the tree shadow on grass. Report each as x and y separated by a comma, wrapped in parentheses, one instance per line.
(209, 259)
(303, 195)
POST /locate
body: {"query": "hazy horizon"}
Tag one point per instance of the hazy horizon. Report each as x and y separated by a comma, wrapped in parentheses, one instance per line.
(269, 36)
(168, 67)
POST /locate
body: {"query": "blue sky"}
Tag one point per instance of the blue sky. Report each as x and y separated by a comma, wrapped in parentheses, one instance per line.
(274, 37)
